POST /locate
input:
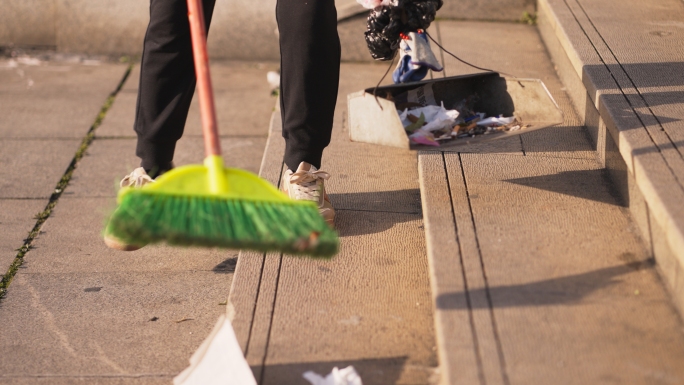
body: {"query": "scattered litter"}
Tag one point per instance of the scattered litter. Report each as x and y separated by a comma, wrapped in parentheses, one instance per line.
(424, 137)
(30, 83)
(495, 121)
(218, 361)
(436, 117)
(29, 61)
(416, 123)
(154, 319)
(10, 64)
(273, 79)
(184, 319)
(428, 124)
(346, 376)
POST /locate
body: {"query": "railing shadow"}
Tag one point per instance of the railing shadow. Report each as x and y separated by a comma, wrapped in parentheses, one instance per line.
(578, 183)
(366, 213)
(556, 291)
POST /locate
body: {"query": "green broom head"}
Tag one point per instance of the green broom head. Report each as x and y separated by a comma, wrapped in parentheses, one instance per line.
(213, 206)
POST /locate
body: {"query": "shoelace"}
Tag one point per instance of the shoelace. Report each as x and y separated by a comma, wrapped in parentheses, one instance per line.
(137, 178)
(305, 184)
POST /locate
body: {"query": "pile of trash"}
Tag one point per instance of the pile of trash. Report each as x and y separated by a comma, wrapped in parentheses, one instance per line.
(429, 124)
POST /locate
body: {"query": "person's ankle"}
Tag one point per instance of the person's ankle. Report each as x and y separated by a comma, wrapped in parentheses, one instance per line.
(155, 171)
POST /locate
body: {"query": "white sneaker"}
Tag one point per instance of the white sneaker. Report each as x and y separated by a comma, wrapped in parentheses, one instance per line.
(135, 179)
(307, 184)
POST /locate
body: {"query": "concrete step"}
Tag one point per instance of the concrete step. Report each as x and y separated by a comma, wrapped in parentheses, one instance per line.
(538, 271)
(370, 306)
(622, 65)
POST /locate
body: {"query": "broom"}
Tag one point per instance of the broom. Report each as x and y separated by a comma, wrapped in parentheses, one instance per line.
(214, 206)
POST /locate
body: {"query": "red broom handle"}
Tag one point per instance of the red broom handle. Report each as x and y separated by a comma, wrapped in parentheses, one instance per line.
(198, 32)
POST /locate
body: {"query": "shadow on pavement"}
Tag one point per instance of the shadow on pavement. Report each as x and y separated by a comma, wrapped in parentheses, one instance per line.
(350, 223)
(405, 201)
(557, 139)
(644, 75)
(580, 183)
(227, 266)
(563, 290)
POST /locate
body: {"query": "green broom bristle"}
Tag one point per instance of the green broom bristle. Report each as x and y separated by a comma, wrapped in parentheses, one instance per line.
(144, 218)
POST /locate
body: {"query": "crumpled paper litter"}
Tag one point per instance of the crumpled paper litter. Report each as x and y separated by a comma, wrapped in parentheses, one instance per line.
(346, 376)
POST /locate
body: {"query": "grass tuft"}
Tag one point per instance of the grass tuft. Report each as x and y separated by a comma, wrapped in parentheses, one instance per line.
(529, 18)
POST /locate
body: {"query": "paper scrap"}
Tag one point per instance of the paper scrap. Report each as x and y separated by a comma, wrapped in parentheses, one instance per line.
(346, 376)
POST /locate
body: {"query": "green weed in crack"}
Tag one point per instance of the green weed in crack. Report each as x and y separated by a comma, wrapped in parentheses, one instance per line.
(59, 189)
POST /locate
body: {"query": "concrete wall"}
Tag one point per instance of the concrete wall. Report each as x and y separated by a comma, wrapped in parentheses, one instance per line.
(118, 27)
(242, 29)
(28, 22)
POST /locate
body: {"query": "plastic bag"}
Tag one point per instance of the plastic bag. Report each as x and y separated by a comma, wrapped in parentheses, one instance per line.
(437, 117)
(415, 60)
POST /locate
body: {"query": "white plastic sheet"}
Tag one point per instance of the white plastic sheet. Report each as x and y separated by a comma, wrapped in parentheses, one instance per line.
(437, 117)
(218, 361)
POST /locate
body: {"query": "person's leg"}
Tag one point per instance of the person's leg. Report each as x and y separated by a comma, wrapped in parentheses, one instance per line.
(167, 82)
(310, 71)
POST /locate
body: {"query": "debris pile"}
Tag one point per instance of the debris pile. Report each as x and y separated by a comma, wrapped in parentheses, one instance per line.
(429, 124)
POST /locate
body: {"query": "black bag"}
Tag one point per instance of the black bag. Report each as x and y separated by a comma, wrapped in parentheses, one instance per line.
(386, 24)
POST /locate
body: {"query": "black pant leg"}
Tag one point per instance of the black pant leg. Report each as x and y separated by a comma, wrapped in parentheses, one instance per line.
(167, 82)
(310, 72)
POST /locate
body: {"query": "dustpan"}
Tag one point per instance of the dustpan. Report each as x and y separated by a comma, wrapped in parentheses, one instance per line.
(377, 121)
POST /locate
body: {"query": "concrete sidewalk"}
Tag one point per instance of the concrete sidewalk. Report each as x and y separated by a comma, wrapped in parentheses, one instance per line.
(77, 312)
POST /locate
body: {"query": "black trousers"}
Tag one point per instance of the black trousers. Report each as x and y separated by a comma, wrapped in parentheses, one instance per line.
(310, 68)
